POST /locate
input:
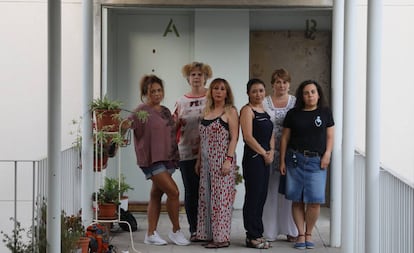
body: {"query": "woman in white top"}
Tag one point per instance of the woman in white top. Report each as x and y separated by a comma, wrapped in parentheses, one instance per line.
(188, 114)
(277, 212)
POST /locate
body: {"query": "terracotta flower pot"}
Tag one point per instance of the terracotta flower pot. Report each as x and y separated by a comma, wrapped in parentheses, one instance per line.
(83, 243)
(107, 120)
(107, 211)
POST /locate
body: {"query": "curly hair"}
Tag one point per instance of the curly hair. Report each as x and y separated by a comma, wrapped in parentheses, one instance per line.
(204, 68)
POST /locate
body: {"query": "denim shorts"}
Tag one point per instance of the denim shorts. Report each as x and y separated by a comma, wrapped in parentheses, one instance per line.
(305, 180)
(155, 169)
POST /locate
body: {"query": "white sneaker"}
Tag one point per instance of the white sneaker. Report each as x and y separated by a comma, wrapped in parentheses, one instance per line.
(178, 238)
(154, 239)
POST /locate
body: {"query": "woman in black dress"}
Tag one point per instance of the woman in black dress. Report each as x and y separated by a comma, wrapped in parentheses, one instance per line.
(257, 129)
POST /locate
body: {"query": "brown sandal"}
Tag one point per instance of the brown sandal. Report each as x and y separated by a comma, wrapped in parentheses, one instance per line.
(194, 238)
(216, 245)
(291, 238)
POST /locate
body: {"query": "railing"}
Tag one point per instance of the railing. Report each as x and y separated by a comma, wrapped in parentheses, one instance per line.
(71, 181)
(24, 183)
(28, 179)
(396, 211)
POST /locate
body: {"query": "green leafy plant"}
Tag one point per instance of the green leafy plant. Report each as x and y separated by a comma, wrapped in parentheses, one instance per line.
(111, 190)
(105, 104)
(124, 187)
(239, 176)
(71, 230)
(29, 240)
(34, 239)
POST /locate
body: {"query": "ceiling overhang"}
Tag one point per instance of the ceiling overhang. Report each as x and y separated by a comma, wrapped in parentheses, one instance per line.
(222, 3)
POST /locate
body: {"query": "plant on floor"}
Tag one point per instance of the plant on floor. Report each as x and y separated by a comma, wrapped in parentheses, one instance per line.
(71, 231)
(30, 240)
(34, 239)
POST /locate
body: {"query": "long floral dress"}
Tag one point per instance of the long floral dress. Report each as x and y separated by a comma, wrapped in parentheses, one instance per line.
(216, 192)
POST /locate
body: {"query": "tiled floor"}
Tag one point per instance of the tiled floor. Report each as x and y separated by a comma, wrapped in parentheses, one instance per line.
(122, 240)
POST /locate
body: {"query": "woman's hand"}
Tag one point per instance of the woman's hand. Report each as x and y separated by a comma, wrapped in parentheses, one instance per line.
(282, 168)
(197, 167)
(226, 167)
(325, 160)
(269, 156)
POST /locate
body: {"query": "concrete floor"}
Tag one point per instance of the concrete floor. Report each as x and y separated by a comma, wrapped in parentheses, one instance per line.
(122, 240)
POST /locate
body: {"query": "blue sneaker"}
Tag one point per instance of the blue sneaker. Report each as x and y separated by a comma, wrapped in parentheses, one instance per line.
(309, 245)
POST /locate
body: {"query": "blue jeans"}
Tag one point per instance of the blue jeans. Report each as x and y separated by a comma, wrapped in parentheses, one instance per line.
(191, 183)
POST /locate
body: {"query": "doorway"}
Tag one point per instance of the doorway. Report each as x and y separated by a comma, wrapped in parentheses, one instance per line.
(304, 57)
(139, 43)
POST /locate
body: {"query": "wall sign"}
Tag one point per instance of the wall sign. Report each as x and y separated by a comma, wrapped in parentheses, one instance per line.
(310, 29)
(171, 28)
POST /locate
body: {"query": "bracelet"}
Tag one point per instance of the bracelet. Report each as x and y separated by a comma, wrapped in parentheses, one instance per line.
(229, 158)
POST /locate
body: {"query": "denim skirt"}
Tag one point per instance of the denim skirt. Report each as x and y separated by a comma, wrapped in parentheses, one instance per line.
(305, 179)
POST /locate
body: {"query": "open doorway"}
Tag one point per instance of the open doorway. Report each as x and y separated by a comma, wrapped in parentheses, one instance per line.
(305, 57)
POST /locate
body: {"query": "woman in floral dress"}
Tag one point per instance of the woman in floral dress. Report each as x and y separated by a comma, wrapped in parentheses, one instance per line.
(216, 164)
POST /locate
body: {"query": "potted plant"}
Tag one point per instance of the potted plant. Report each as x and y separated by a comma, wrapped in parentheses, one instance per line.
(107, 114)
(108, 137)
(104, 147)
(108, 197)
(73, 234)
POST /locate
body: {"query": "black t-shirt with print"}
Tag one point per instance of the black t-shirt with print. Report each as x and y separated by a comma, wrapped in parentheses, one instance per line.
(308, 128)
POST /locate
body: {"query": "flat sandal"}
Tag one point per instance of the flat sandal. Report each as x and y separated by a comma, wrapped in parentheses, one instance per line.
(216, 245)
(260, 243)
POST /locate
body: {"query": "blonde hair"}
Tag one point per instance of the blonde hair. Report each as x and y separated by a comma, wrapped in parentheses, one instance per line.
(204, 68)
(228, 102)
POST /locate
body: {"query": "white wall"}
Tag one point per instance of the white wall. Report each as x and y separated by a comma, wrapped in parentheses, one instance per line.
(23, 80)
(398, 88)
(228, 55)
(397, 104)
(23, 94)
(23, 76)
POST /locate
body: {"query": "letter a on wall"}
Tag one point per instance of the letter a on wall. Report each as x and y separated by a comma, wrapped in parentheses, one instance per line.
(171, 28)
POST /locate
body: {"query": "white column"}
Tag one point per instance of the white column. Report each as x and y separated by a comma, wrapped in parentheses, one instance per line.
(349, 123)
(373, 123)
(54, 141)
(337, 109)
(87, 95)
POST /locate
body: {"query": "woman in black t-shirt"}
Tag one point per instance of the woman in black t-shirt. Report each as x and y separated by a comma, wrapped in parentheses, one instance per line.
(305, 154)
